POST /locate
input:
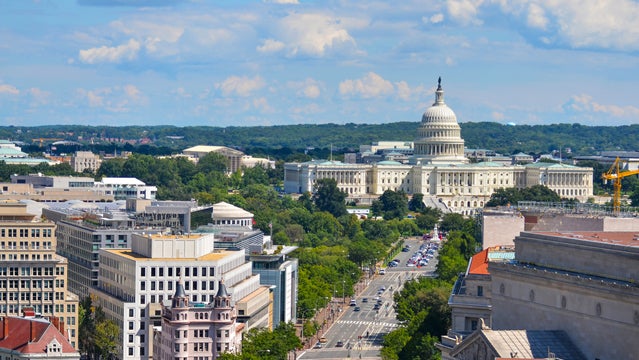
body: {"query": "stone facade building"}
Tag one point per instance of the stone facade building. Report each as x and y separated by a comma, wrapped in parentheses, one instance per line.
(31, 273)
(439, 169)
(197, 330)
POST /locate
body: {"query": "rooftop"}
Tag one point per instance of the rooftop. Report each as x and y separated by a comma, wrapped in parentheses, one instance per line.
(129, 254)
(623, 238)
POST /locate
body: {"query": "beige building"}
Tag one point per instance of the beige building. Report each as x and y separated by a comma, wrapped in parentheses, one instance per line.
(85, 160)
(31, 273)
(237, 159)
(439, 170)
(583, 283)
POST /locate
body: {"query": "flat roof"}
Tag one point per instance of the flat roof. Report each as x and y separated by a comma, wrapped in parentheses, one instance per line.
(129, 254)
(623, 238)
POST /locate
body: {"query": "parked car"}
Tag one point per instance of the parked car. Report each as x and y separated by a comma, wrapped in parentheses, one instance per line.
(382, 271)
(364, 300)
(318, 346)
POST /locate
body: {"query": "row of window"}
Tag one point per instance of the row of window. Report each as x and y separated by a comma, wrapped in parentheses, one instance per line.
(28, 271)
(23, 233)
(25, 257)
(26, 245)
(31, 284)
(30, 296)
(178, 271)
(188, 285)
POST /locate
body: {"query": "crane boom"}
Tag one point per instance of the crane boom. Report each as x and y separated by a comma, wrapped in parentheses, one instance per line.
(616, 175)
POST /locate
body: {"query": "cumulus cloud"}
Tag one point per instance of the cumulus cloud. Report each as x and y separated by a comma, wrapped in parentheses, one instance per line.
(128, 51)
(240, 86)
(38, 96)
(315, 35)
(537, 17)
(465, 11)
(114, 99)
(309, 88)
(262, 105)
(597, 24)
(9, 89)
(436, 19)
(271, 46)
(584, 103)
(370, 86)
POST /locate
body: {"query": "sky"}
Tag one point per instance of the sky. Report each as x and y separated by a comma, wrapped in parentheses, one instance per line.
(283, 62)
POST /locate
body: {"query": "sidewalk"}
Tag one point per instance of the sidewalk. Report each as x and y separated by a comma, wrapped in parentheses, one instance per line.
(328, 315)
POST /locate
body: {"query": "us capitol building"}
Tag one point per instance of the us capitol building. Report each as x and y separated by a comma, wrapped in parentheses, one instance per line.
(439, 170)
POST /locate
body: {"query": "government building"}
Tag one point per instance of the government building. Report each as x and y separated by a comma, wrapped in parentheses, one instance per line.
(439, 170)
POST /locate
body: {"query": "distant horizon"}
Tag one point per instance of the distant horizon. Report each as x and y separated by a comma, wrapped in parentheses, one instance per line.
(294, 62)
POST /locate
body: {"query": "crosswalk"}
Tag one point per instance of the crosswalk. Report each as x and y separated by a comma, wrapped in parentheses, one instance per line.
(364, 322)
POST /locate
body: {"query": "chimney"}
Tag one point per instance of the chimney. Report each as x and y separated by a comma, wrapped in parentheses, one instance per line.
(33, 330)
(5, 328)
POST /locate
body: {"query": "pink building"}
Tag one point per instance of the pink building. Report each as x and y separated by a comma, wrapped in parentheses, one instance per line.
(198, 331)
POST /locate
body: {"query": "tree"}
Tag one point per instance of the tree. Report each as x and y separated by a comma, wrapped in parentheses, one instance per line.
(391, 205)
(428, 218)
(328, 197)
(213, 162)
(416, 203)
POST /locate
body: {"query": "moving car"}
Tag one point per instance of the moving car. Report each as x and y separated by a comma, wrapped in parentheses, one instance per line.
(339, 344)
(357, 308)
(353, 303)
(323, 340)
(318, 346)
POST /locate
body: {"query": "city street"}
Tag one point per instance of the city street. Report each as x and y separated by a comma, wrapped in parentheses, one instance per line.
(361, 332)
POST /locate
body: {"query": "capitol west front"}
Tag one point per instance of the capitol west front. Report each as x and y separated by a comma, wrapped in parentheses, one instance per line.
(439, 170)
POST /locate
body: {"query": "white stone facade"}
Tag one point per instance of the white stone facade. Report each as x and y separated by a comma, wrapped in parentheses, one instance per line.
(440, 170)
(131, 280)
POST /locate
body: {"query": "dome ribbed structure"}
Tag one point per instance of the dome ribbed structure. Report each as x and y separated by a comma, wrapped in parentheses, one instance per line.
(439, 135)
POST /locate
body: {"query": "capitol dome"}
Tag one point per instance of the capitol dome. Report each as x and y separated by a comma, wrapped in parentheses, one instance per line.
(439, 135)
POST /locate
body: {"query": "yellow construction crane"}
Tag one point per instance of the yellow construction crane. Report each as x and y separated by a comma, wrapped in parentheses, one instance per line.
(615, 175)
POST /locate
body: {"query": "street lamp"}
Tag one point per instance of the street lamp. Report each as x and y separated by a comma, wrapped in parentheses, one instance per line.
(343, 292)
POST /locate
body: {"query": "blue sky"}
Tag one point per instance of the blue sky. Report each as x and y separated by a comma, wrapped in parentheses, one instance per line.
(249, 63)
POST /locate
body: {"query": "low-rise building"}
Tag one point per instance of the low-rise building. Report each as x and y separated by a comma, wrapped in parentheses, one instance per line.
(28, 337)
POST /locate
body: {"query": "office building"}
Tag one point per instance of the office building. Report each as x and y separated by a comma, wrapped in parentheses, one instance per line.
(133, 281)
(31, 273)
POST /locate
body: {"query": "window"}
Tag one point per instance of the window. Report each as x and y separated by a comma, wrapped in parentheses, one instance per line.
(131, 312)
(480, 291)
(142, 271)
(473, 325)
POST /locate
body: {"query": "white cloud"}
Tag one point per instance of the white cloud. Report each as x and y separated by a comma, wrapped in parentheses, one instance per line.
(306, 109)
(315, 34)
(241, 86)
(128, 51)
(9, 89)
(114, 99)
(437, 18)
(39, 96)
(270, 46)
(537, 17)
(312, 91)
(584, 103)
(370, 86)
(607, 24)
(309, 88)
(465, 11)
(403, 90)
(262, 105)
